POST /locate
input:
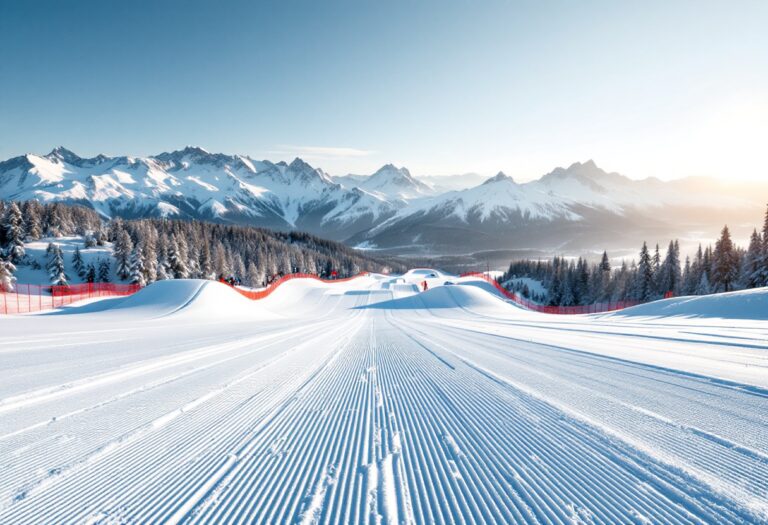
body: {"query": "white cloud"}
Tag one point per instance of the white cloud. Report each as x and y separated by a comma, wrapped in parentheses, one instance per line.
(320, 152)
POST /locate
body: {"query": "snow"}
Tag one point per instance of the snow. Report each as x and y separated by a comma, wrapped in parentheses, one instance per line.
(369, 401)
(536, 287)
(35, 251)
(744, 304)
(394, 183)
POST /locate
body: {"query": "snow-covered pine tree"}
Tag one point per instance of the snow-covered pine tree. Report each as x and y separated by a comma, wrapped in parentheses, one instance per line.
(13, 226)
(77, 263)
(137, 268)
(751, 271)
(220, 264)
(32, 212)
(122, 248)
(7, 279)
(150, 257)
(238, 267)
(54, 221)
(253, 276)
(105, 270)
(56, 270)
(703, 287)
(204, 262)
(177, 264)
(90, 273)
(163, 272)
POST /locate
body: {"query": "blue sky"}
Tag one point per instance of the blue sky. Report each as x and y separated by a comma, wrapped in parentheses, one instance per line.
(664, 89)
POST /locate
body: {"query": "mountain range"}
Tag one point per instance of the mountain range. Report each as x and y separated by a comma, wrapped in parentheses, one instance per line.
(581, 207)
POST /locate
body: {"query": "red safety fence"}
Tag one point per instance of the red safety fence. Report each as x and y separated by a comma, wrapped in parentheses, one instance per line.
(261, 294)
(28, 298)
(594, 308)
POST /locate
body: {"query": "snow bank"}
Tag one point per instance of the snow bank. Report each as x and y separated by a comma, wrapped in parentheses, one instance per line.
(745, 304)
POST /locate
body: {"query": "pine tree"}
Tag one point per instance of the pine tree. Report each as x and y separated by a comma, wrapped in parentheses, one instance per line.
(670, 276)
(177, 263)
(104, 271)
(581, 289)
(56, 270)
(726, 270)
(123, 247)
(54, 221)
(752, 265)
(254, 277)
(90, 273)
(13, 226)
(33, 221)
(703, 287)
(604, 281)
(205, 262)
(644, 286)
(568, 298)
(689, 283)
(77, 263)
(220, 264)
(137, 268)
(163, 271)
(149, 251)
(656, 265)
(238, 267)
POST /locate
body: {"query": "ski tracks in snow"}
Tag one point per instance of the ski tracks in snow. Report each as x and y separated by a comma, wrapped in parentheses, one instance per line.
(381, 417)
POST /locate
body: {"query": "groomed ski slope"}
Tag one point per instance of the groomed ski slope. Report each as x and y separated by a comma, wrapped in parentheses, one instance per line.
(370, 402)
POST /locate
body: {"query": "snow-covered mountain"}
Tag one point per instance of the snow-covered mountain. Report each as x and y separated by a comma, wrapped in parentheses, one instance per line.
(393, 183)
(578, 207)
(193, 183)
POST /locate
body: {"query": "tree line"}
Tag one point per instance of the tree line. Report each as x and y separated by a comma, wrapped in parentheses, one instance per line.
(147, 250)
(722, 268)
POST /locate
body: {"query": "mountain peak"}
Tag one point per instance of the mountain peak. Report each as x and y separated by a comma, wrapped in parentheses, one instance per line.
(500, 176)
(298, 164)
(387, 169)
(62, 153)
(195, 151)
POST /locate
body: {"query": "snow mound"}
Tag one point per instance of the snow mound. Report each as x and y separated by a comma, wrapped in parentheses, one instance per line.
(193, 298)
(745, 304)
(475, 282)
(468, 297)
